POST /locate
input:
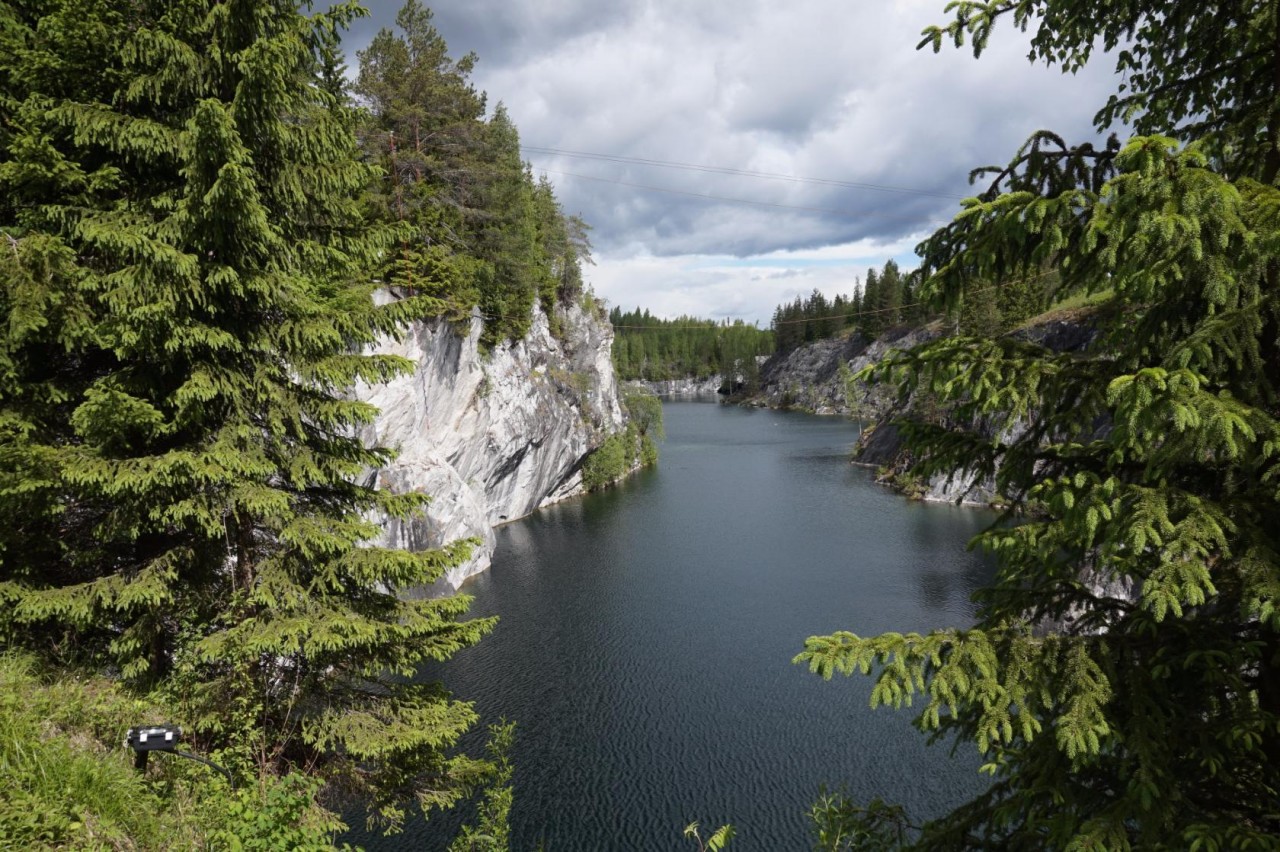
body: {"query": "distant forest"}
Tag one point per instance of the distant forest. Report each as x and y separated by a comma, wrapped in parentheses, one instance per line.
(652, 349)
(890, 298)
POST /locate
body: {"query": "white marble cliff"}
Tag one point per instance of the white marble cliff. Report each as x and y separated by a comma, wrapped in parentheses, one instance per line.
(492, 436)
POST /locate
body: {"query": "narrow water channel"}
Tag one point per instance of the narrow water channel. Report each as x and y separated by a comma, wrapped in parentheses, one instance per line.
(646, 637)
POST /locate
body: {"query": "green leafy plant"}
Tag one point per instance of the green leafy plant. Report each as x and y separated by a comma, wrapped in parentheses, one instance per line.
(491, 830)
(839, 825)
(719, 839)
(610, 461)
(71, 783)
(633, 447)
(280, 813)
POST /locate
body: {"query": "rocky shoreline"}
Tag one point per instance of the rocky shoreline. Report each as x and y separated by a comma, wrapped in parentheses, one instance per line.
(817, 378)
(687, 387)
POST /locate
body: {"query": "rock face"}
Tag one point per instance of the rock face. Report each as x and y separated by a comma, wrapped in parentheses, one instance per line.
(813, 377)
(880, 446)
(709, 386)
(809, 377)
(491, 437)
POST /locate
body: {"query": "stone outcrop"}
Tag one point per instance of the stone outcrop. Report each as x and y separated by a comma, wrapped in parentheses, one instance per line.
(881, 447)
(708, 387)
(813, 377)
(809, 377)
(491, 436)
(816, 377)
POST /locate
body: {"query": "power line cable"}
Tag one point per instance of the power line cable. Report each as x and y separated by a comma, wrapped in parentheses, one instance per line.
(726, 170)
(866, 313)
(870, 312)
(711, 197)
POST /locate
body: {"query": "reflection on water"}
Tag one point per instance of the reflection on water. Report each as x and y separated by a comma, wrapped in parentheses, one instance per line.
(939, 586)
(646, 637)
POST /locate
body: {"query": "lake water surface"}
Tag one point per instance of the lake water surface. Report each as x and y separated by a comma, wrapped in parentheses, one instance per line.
(646, 636)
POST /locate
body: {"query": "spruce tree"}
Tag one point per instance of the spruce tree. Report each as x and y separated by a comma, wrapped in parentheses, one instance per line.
(185, 288)
(890, 304)
(481, 231)
(1123, 680)
(872, 298)
(423, 122)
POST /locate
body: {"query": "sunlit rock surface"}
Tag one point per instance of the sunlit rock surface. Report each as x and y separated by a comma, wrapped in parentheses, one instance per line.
(491, 436)
(708, 387)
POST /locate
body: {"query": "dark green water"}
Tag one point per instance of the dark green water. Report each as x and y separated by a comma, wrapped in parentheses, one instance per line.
(646, 637)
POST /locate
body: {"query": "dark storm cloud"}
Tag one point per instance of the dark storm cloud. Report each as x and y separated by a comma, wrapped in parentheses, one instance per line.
(501, 32)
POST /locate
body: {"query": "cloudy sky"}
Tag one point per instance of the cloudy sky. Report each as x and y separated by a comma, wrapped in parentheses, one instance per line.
(734, 154)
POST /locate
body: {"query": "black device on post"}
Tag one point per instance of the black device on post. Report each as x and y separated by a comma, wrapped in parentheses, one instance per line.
(164, 738)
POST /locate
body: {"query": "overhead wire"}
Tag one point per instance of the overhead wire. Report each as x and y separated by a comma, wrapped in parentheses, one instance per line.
(855, 315)
(706, 196)
(727, 170)
(712, 197)
(617, 158)
(623, 159)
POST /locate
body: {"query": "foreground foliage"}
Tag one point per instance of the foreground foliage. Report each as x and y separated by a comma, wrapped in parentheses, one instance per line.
(70, 783)
(184, 285)
(491, 829)
(716, 841)
(1124, 678)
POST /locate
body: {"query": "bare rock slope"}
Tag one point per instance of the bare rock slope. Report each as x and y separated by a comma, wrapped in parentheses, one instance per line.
(816, 377)
(492, 436)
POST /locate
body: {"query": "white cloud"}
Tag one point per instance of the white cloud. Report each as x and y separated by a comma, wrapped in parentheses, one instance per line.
(816, 88)
(748, 288)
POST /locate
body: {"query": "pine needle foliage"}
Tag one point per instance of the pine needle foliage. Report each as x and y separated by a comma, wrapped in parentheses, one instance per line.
(184, 290)
(1123, 680)
(479, 230)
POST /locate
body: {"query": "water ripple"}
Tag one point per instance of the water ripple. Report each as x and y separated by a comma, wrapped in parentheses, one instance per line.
(646, 635)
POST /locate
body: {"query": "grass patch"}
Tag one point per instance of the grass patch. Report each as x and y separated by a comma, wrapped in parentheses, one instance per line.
(69, 781)
(1074, 307)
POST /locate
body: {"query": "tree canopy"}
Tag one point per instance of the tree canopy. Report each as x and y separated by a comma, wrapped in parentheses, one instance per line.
(479, 229)
(1123, 680)
(185, 286)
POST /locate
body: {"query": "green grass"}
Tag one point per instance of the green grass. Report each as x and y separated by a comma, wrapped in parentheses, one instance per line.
(1075, 306)
(69, 782)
